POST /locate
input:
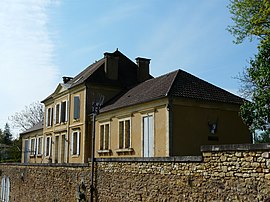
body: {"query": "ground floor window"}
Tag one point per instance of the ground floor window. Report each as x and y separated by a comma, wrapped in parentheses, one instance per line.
(48, 143)
(5, 189)
(124, 134)
(104, 136)
(75, 143)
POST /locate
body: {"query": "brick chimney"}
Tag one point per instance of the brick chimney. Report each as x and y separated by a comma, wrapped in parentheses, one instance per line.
(111, 66)
(143, 69)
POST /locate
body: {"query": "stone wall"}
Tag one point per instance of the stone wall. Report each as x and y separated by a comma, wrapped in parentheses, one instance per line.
(222, 173)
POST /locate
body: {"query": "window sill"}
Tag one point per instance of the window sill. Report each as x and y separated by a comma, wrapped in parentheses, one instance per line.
(104, 151)
(125, 150)
(75, 155)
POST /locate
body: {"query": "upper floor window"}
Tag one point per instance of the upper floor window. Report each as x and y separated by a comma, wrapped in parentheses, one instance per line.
(57, 113)
(124, 134)
(48, 145)
(63, 111)
(49, 116)
(76, 114)
(104, 136)
(75, 143)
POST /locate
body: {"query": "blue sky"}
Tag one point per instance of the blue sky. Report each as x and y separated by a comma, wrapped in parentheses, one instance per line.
(41, 41)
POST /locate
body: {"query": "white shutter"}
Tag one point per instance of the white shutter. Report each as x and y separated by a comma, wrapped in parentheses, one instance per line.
(78, 142)
(71, 143)
(7, 189)
(47, 117)
(2, 188)
(67, 111)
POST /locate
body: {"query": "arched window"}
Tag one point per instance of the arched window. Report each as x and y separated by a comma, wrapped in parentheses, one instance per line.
(5, 189)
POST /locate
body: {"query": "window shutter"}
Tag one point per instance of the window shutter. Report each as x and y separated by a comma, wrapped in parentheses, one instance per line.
(7, 189)
(2, 187)
(51, 117)
(67, 111)
(71, 143)
(47, 117)
(78, 142)
(76, 107)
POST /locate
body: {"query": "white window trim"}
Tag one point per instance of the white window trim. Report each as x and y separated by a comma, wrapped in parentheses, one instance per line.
(109, 140)
(58, 113)
(130, 143)
(78, 142)
(37, 142)
(48, 125)
(60, 109)
(149, 113)
(33, 152)
(50, 146)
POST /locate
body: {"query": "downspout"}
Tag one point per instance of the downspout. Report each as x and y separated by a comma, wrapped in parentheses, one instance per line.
(170, 110)
(92, 157)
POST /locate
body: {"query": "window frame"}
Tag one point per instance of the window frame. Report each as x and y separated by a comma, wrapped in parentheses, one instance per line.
(124, 120)
(33, 151)
(78, 145)
(57, 118)
(65, 119)
(102, 137)
(49, 117)
(39, 146)
(5, 189)
(46, 145)
(76, 112)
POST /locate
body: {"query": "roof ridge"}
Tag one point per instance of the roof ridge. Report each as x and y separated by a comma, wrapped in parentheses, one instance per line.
(173, 80)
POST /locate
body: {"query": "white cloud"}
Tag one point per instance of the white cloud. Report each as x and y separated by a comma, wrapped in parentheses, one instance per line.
(26, 63)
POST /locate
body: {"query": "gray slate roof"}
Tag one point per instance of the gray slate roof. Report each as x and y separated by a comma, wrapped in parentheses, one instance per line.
(176, 84)
(36, 127)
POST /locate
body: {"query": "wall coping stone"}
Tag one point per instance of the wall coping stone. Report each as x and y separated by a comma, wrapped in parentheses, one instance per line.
(153, 159)
(72, 165)
(236, 147)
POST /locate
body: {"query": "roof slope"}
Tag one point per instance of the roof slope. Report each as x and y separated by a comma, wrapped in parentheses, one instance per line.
(176, 84)
(38, 126)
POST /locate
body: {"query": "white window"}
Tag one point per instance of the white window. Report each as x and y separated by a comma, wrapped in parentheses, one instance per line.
(76, 114)
(124, 134)
(49, 116)
(104, 136)
(48, 145)
(33, 146)
(5, 189)
(39, 145)
(75, 143)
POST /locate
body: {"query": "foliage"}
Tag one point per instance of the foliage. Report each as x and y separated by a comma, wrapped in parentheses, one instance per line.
(7, 136)
(256, 113)
(251, 18)
(27, 118)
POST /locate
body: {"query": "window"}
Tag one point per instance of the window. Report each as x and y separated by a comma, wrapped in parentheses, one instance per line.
(57, 113)
(76, 114)
(32, 146)
(63, 111)
(75, 143)
(5, 189)
(49, 116)
(48, 143)
(104, 136)
(124, 134)
(39, 145)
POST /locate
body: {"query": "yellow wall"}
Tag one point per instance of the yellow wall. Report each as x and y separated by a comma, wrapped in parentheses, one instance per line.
(135, 114)
(191, 129)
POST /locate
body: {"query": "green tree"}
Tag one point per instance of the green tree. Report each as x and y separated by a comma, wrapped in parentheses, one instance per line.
(1, 136)
(7, 135)
(252, 20)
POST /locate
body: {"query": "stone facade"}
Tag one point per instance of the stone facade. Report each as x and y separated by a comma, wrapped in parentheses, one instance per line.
(222, 173)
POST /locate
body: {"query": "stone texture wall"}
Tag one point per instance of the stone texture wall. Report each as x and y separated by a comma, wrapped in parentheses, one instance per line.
(223, 173)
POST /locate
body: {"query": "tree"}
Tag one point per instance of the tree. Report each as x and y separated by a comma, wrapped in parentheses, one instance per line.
(7, 136)
(1, 136)
(27, 118)
(252, 19)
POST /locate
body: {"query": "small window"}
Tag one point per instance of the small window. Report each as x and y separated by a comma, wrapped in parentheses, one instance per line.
(75, 146)
(76, 114)
(48, 143)
(39, 145)
(124, 134)
(104, 136)
(5, 189)
(33, 146)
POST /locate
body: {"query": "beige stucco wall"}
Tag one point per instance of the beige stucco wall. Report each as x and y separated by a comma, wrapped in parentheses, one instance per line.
(28, 136)
(191, 129)
(135, 113)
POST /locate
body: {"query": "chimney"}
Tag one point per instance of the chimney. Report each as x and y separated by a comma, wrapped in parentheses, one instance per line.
(111, 66)
(143, 69)
(66, 79)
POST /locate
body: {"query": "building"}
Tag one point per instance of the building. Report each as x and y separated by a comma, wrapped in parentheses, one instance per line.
(140, 116)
